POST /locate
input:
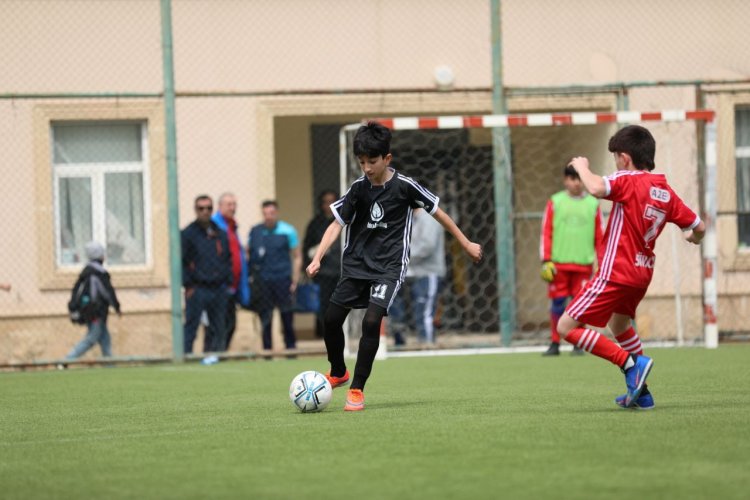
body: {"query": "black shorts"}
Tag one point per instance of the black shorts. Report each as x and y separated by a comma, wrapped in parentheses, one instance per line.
(359, 293)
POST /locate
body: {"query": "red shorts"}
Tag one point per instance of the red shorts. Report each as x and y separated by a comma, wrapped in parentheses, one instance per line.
(596, 303)
(567, 283)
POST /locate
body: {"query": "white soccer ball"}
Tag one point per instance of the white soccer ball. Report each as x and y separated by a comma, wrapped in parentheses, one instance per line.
(310, 391)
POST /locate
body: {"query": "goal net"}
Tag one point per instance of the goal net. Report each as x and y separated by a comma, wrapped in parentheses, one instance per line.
(453, 157)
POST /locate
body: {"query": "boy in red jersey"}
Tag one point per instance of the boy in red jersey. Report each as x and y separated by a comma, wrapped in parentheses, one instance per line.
(642, 204)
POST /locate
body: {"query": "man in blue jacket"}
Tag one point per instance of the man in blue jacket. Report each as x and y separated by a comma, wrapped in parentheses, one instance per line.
(275, 263)
(206, 274)
(239, 290)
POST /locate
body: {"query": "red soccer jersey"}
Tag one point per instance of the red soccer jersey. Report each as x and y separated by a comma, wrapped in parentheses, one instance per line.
(643, 204)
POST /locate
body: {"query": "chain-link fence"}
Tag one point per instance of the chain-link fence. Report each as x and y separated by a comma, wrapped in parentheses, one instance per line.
(263, 88)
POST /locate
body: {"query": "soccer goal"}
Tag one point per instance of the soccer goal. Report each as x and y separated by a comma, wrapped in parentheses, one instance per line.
(453, 157)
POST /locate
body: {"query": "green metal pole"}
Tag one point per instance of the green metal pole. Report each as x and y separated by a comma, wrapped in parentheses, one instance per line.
(175, 254)
(623, 99)
(503, 188)
(80, 95)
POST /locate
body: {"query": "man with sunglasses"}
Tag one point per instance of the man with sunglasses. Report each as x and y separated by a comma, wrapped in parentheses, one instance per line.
(206, 274)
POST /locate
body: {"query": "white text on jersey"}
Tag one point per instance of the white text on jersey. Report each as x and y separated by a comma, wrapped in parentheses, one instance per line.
(659, 194)
(644, 261)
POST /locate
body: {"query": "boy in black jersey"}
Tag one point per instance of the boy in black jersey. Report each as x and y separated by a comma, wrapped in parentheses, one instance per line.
(377, 213)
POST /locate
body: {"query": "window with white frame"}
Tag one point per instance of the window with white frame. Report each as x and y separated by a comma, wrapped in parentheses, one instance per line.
(742, 155)
(100, 172)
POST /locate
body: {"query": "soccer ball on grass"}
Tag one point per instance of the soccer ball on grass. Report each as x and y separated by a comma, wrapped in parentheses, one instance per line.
(310, 391)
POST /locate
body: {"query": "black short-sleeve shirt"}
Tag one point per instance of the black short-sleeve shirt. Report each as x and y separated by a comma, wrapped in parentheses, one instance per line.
(377, 222)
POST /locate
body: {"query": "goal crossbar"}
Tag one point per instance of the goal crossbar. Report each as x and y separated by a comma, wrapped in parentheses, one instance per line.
(540, 119)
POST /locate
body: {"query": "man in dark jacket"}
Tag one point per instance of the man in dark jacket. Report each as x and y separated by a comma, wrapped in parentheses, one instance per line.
(206, 274)
(330, 266)
(103, 295)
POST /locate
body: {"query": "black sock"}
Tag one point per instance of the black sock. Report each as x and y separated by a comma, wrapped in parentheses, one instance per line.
(368, 348)
(368, 345)
(334, 338)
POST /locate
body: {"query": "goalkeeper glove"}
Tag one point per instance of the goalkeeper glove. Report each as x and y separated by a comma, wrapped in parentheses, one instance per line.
(548, 271)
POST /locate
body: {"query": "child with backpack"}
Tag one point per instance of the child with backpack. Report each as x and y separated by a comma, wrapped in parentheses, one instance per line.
(91, 297)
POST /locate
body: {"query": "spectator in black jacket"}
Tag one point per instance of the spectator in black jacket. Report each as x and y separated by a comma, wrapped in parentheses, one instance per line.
(330, 266)
(206, 276)
(103, 295)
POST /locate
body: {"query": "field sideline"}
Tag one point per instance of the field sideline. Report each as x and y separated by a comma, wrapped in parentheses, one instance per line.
(516, 426)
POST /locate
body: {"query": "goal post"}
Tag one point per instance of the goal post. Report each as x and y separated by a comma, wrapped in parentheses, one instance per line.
(710, 242)
(452, 156)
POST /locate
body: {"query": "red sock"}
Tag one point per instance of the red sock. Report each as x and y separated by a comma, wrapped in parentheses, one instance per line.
(598, 345)
(553, 319)
(630, 341)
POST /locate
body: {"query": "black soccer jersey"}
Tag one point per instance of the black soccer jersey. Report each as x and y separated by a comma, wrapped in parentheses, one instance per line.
(378, 226)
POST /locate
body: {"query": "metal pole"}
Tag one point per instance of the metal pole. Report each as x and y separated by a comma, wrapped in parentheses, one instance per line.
(617, 86)
(175, 253)
(503, 189)
(623, 99)
(710, 244)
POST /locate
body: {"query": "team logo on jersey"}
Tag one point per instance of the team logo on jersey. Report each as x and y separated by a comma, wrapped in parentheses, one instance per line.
(376, 212)
(376, 215)
(659, 194)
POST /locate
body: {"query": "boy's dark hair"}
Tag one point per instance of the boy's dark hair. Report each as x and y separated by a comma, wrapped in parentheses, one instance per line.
(571, 172)
(269, 203)
(372, 140)
(636, 141)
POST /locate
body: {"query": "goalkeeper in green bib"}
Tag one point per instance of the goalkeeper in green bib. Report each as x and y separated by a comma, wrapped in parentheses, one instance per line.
(570, 241)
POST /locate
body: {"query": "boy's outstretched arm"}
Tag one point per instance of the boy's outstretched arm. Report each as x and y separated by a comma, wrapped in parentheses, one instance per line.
(473, 250)
(330, 236)
(594, 183)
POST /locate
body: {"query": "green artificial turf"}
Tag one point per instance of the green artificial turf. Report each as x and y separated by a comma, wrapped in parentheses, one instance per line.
(489, 426)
